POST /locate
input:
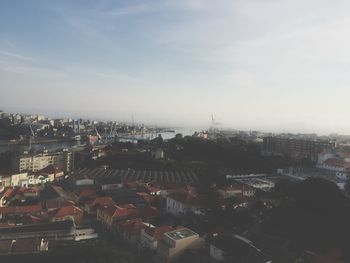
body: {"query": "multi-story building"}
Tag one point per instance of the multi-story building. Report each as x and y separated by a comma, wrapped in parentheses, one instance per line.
(336, 163)
(295, 148)
(182, 203)
(35, 162)
(151, 236)
(176, 242)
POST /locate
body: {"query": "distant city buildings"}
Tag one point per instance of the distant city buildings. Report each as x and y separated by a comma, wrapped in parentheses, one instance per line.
(295, 148)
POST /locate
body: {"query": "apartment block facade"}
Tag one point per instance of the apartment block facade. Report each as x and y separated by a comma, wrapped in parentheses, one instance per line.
(63, 160)
(295, 148)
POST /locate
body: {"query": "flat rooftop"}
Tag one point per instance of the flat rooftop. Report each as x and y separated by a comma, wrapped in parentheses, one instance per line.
(180, 234)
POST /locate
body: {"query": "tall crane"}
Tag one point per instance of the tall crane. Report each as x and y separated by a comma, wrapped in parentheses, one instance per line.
(214, 125)
(31, 136)
(98, 135)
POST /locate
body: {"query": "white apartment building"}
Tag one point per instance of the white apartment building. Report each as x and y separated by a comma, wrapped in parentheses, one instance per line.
(35, 162)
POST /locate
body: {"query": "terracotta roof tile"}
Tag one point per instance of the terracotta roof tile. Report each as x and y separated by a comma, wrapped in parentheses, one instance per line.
(87, 193)
(148, 212)
(68, 211)
(133, 227)
(158, 232)
(9, 192)
(102, 201)
(336, 162)
(21, 209)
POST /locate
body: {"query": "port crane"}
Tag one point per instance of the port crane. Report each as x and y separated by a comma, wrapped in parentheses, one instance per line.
(31, 136)
(98, 135)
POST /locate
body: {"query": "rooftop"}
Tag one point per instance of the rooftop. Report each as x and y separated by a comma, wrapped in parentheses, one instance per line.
(131, 175)
(181, 234)
(158, 232)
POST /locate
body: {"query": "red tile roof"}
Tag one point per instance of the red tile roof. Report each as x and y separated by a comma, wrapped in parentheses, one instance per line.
(70, 210)
(35, 219)
(87, 193)
(131, 184)
(120, 211)
(148, 198)
(127, 206)
(158, 232)
(108, 209)
(127, 210)
(29, 208)
(9, 193)
(149, 212)
(34, 189)
(336, 162)
(101, 201)
(343, 154)
(55, 204)
(133, 227)
(21, 209)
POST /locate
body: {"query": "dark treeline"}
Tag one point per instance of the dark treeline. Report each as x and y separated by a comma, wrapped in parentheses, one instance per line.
(8, 131)
(183, 153)
(312, 215)
(230, 153)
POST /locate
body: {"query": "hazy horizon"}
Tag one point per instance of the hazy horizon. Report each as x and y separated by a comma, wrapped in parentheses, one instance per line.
(267, 65)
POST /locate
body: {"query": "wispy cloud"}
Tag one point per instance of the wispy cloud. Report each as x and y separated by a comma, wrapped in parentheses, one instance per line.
(15, 55)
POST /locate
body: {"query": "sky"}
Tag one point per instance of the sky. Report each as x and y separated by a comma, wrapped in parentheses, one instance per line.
(269, 65)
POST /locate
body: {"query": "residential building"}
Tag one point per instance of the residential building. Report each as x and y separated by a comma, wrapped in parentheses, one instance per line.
(180, 203)
(230, 191)
(23, 246)
(70, 212)
(111, 214)
(36, 162)
(151, 235)
(9, 211)
(158, 154)
(176, 242)
(5, 180)
(17, 178)
(336, 163)
(101, 201)
(62, 230)
(295, 148)
(130, 230)
(51, 173)
(8, 195)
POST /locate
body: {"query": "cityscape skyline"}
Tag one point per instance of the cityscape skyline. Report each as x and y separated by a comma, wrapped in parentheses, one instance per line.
(259, 65)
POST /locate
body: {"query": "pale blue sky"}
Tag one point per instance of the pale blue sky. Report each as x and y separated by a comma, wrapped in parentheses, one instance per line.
(255, 64)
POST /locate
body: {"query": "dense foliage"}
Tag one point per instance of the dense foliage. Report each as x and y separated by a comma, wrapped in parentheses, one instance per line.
(312, 215)
(181, 153)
